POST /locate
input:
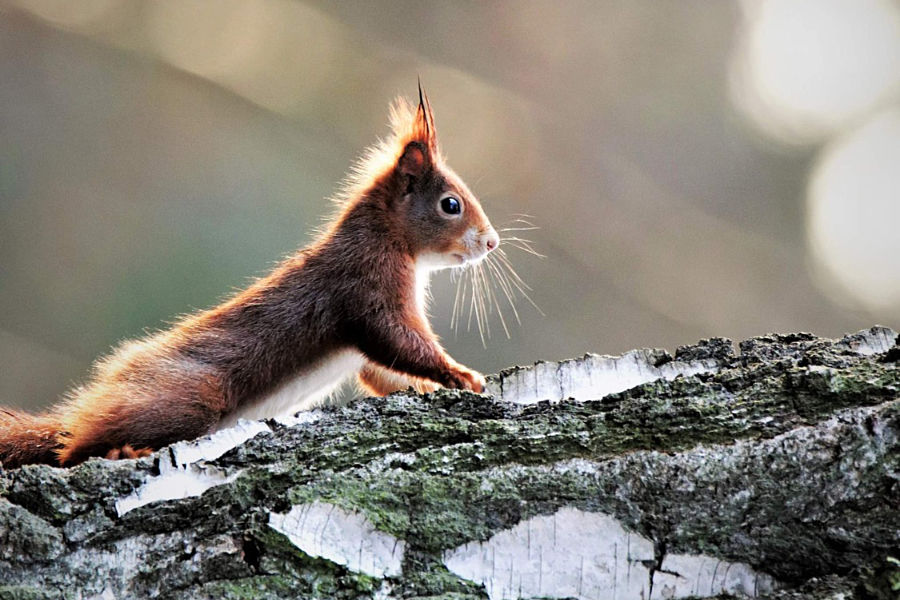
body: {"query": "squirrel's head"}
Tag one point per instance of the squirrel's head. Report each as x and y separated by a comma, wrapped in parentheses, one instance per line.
(440, 218)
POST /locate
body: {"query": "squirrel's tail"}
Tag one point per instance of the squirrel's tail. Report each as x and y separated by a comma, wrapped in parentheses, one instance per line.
(27, 439)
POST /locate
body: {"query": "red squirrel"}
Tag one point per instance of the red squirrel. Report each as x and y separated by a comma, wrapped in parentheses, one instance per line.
(353, 302)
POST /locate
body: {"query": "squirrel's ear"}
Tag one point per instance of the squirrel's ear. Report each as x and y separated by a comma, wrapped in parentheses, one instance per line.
(414, 161)
(415, 131)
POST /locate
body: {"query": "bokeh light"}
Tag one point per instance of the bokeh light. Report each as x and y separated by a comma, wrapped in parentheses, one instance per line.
(854, 215)
(84, 16)
(805, 69)
(157, 153)
(277, 54)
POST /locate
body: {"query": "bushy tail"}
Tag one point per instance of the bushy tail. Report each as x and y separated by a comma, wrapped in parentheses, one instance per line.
(27, 439)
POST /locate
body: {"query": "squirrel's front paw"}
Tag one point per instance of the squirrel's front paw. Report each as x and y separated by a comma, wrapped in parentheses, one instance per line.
(461, 378)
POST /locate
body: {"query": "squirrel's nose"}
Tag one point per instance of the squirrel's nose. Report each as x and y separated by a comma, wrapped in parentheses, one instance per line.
(491, 239)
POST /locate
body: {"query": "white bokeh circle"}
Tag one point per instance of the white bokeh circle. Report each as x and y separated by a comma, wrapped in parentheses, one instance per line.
(853, 215)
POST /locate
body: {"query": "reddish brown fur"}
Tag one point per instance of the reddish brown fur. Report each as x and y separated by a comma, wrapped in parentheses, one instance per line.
(353, 288)
(27, 439)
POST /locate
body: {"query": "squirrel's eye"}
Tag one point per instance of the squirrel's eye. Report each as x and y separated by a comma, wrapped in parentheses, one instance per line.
(450, 205)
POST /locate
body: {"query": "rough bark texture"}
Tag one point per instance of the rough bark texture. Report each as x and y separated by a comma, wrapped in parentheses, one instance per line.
(770, 472)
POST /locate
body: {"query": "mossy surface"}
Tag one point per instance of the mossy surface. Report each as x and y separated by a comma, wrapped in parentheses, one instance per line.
(786, 458)
(25, 592)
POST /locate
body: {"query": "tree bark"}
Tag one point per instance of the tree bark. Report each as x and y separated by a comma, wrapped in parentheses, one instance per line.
(771, 472)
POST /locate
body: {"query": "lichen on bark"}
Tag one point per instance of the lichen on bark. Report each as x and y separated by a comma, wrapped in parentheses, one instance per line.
(780, 459)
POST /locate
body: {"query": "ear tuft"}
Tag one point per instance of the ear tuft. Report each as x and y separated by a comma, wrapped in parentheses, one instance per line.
(423, 125)
(414, 160)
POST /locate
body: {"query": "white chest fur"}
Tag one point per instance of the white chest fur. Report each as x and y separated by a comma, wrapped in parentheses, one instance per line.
(426, 263)
(423, 277)
(303, 392)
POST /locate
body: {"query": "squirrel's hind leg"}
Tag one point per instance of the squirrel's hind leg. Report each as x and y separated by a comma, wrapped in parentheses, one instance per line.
(125, 421)
(127, 451)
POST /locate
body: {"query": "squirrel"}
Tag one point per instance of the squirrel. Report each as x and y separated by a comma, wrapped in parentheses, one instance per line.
(352, 302)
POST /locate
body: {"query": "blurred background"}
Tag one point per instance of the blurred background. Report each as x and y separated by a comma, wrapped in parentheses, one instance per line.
(696, 168)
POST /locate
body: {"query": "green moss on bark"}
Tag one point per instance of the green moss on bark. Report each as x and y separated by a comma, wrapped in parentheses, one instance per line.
(785, 458)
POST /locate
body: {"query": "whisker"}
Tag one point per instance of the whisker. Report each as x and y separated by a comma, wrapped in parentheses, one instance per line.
(472, 303)
(520, 220)
(517, 281)
(477, 306)
(504, 260)
(469, 289)
(507, 288)
(501, 283)
(522, 244)
(485, 300)
(520, 223)
(527, 249)
(458, 299)
(496, 299)
(530, 228)
(486, 297)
